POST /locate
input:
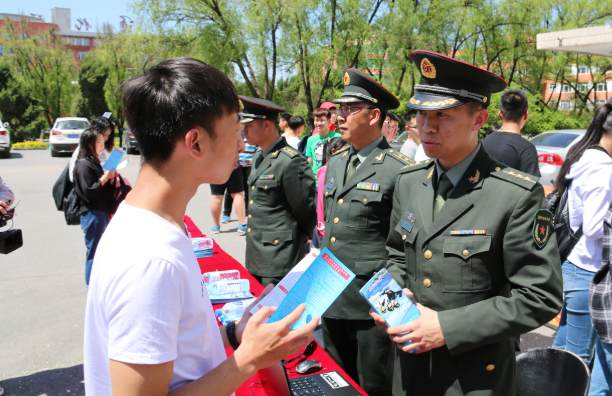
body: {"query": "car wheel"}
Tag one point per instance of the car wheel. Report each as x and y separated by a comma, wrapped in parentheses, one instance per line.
(7, 154)
(53, 153)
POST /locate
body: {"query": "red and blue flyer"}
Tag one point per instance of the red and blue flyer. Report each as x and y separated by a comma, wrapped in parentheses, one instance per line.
(319, 286)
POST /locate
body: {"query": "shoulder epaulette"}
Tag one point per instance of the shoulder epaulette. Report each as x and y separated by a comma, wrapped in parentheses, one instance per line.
(516, 177)
(290, 152)
(341, 151)
(416, 166)
(400, 157)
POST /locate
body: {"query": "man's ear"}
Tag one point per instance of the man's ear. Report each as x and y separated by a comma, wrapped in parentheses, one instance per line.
(376, 114)
(500, 117)
(482, 116)
(197, 142)
(526, 115)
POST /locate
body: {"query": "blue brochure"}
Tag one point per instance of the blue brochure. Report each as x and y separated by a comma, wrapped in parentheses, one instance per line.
(114, 159)
(318, 286)
(389, 300)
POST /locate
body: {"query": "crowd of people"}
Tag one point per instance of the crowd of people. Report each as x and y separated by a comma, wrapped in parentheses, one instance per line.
(460, 223)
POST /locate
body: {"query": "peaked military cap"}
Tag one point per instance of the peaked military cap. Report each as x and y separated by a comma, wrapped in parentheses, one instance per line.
(252, 108)
(359, 87)
(448, 82)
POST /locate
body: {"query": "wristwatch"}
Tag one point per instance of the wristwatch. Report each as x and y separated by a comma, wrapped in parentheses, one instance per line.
(230, 330)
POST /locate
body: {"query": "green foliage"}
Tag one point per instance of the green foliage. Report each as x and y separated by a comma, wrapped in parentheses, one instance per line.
(92, 78)
(29, 144)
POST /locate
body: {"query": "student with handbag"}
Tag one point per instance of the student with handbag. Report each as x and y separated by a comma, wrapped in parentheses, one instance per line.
(588, 168)
(92, 187)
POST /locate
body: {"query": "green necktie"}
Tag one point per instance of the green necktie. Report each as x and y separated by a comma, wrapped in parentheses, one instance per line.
(353, 164)
(444, 186)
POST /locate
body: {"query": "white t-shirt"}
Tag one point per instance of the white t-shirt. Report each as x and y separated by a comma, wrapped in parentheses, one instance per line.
(147, 303)
(420, 154)
(293, 141)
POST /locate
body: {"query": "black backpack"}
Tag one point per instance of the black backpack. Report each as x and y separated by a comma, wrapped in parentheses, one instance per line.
(66, 199)
(556, 202)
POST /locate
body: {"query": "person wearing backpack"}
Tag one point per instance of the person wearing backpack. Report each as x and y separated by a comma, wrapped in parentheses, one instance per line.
(93, 190)
(588, 171)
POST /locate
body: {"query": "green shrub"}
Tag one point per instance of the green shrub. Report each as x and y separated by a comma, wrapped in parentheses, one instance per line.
(29, 144)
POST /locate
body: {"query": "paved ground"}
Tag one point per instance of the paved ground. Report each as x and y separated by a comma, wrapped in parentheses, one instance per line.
(42, 286)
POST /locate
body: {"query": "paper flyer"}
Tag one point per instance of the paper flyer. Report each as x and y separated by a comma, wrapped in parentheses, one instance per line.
(114, 159)
(388, 299)
(318, 287)
(123, 164)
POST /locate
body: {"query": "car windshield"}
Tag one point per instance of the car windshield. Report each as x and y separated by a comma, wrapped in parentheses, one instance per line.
(553, 139)
(72, 124)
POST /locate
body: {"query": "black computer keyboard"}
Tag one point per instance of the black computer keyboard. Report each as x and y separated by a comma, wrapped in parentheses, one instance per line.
(306, 386)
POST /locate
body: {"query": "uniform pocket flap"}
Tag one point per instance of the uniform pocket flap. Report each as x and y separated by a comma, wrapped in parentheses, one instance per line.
(276, 237)
(407, 230)
(265, 184)
(367, 197)
(369, 267)
(467, 246)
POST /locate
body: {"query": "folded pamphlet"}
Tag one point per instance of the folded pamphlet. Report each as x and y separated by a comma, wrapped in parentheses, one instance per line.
(316, 281)
(202, 247)
(114, 159)
(123, 164)
(388, 299)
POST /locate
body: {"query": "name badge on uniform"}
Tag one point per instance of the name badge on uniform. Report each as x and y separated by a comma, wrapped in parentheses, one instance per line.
(469, 232)
(329, 185)
(407, 226)
(368, 186)
(266, 177)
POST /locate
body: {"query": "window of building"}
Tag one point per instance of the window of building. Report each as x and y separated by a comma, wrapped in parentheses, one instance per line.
(583, 70)
(551, 87)
(565, 88)
(583, 87)
(81, 56)
(76, 41)
(97, 42)
(566, 105)
(601, 87)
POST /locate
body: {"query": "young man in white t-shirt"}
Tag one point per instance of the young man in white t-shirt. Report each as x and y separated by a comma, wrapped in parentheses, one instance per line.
(149, 324)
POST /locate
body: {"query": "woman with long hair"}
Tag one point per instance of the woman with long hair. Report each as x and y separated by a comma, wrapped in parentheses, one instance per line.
(91, 185)
(109, 143)
(588, 171)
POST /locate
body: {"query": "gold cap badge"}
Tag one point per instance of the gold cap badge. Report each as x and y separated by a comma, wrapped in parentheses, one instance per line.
(347, 78)
(427, 68)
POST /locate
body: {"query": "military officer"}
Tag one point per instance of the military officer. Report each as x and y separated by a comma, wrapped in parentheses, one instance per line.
(471, 240)
(281, 187)
(358, 193)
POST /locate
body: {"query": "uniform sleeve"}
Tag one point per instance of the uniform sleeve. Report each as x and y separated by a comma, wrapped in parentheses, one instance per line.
(396, 262)
(299, 186)
(143, 311)
(529, 161)
(535, 287)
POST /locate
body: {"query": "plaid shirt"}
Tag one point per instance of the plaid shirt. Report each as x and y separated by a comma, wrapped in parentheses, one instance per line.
(600, 302)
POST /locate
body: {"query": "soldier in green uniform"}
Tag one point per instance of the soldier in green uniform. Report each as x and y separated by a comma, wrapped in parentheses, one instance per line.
(281, 188)
(358, 193)
(471, 240)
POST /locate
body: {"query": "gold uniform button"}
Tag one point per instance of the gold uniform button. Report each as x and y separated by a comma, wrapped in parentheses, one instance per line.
(428, 254)
(466, 252)
(251, 202)
(490, 367)
(333, 239)
(326, 193)
(250, 216)
(403, 237)
(374, 273)
(365, 200)
(265, 187)
(276, 242)
(497, 169)
(336, 220)
(340, 201)
(248, 230)
(252, 187)
(426, 282)
(390, 151)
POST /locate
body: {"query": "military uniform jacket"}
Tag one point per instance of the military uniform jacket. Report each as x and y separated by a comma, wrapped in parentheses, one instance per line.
(486, 287)
(281, 211)
(357, 221)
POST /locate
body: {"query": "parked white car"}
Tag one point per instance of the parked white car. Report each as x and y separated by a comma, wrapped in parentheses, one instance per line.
(552, 148)
(5, 140)
(66, 133)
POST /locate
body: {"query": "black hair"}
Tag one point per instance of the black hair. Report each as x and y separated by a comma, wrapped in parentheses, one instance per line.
(87, 143)
(410, 114)
(513, 105)
(392, 116)
(109, 144)
(286, 117)
(331, 144)
(600, 126)
(295, 122)
(171, 98)
(321, 112)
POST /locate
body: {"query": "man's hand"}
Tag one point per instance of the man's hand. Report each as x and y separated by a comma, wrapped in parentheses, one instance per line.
(241, 324)
(265, 344)
(3, 207)
(379, 320)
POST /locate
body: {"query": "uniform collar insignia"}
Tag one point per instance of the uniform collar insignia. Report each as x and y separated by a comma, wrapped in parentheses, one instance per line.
(474, 179)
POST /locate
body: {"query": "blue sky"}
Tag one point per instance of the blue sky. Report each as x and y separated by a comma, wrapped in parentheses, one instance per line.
(96, 12)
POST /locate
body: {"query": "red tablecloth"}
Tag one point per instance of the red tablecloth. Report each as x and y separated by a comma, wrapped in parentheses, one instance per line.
(221, 261)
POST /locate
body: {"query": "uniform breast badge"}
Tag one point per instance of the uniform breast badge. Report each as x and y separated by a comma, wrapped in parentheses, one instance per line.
(411, 217)
(474, 179)
(469, 232)
(368, 186)
(266, 177)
